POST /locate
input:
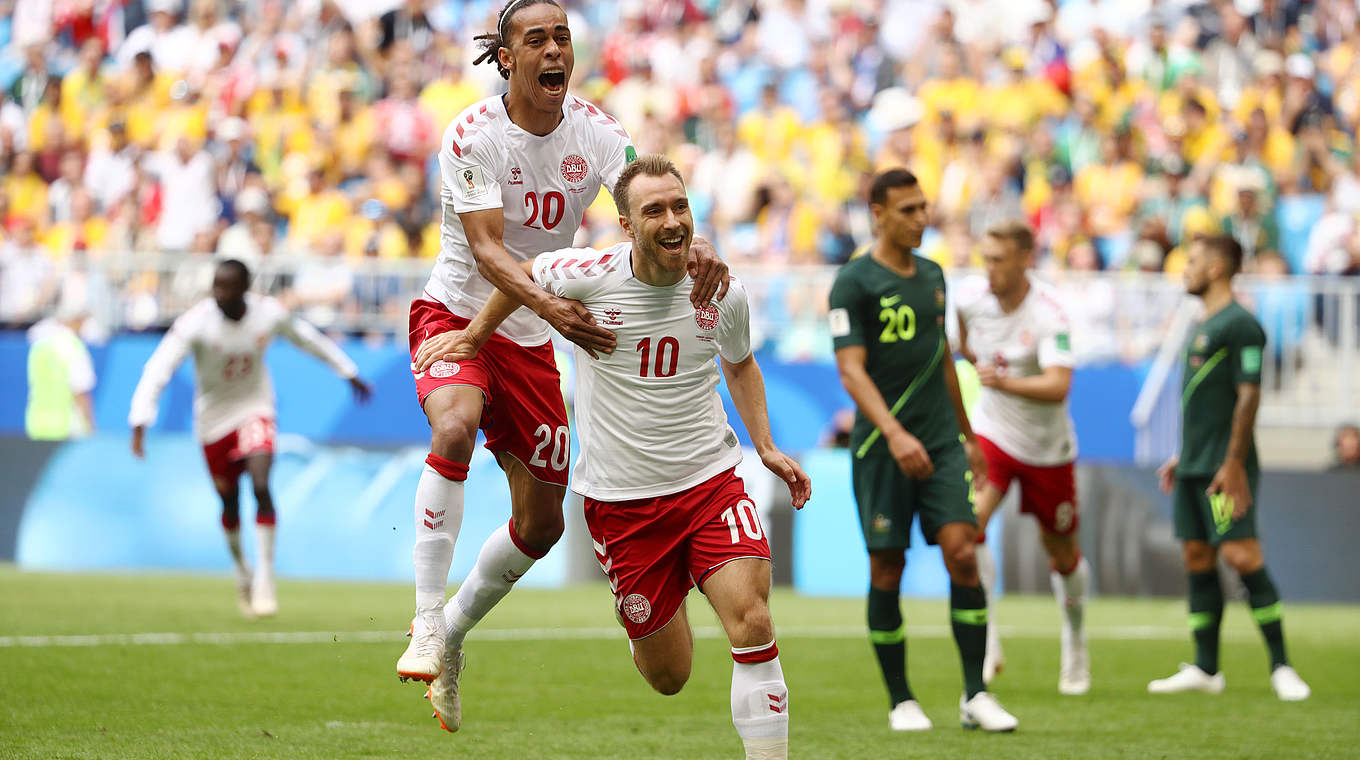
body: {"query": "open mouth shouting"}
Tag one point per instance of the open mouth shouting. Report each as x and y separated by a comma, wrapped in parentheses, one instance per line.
(554, 81)
(672, 242)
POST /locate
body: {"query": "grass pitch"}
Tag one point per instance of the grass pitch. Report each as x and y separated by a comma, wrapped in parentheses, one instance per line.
(549, 676)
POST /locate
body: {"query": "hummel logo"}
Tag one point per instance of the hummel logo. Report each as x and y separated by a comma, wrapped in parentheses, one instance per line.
(889, 300)
(510, 576)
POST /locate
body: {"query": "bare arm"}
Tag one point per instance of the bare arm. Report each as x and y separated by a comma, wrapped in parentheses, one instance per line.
(905, 448)
(1052, 385)
(484, 231)
(976, 462)
(747, 387)
(964, 351)
(86, 403)
(1231, 478)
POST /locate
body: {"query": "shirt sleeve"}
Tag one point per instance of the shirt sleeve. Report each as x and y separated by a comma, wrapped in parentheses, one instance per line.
(616, 151)
(468, 172)
(159, 369)
(80, 368)
(300, 333)
(572, 272)
(846, 330)
(1055, 343)
(734, 328)
(1248, 347)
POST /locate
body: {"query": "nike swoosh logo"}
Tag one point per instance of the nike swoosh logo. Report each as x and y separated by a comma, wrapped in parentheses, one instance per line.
(889, 300)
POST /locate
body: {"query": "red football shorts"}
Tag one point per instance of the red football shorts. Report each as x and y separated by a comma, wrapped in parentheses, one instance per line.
(523, 412)
(226, 456)
(655, 549)
(1048, 493)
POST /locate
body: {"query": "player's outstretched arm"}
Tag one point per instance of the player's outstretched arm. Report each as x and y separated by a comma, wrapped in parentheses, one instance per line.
(1051, 385)
(976, 462)
(167, 357)
(484, 231)
(709, 273)
(302, 334)
(911, 456)
(747, 387)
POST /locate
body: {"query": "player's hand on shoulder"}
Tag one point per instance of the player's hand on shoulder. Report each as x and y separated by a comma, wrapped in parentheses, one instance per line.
(575, 322)
(451, 346)
(362, 390)
(139, 442)
(910, 454)
(709, 273)
(782, 465)
(1166, 474)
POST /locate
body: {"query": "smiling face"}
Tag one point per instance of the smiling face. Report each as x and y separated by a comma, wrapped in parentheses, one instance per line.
(537, 50)
(659, 221)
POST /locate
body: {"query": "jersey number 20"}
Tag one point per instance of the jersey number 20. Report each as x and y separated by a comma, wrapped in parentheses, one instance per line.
(898, 324)
(554, 206)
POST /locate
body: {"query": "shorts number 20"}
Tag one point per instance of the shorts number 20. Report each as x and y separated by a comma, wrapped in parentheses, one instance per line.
(561, 446)
(745, 513)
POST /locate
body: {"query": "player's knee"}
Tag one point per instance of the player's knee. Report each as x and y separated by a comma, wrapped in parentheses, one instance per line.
(754, 628)
(262, 496)
(668, 680)
(540, 531)
(1199, 556)
(961, 557)
(1242, 558)
(453, 433)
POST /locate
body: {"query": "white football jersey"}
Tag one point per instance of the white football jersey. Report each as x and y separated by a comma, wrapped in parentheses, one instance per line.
(648, 416)
(232, 385)
(1021, 344)
(542, 184)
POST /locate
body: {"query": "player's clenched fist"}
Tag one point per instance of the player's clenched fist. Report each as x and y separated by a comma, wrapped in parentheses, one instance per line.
(911, 456)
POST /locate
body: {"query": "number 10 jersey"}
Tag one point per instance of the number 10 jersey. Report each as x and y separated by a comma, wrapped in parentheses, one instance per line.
(648, 416)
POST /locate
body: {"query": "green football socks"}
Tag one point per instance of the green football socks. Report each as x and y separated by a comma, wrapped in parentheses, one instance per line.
(968, 615)
(1265, 608)
(1206, 614)
(889, 637)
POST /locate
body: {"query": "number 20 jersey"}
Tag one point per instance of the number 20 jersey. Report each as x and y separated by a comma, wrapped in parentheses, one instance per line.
(648, 416)
(543, 184)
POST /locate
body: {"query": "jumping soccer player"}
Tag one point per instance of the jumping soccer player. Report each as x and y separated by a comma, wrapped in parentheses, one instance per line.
(234, 405)
(518, 172)
(1017, 334)
(664, 506)
(887, 320)
(1213, 481)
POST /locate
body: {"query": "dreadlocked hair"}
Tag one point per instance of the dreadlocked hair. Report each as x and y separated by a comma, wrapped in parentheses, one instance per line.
(492, 42)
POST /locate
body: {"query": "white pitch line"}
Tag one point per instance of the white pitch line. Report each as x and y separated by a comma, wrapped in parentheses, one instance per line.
(603, 633)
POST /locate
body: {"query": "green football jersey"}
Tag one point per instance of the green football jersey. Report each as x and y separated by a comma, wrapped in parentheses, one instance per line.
(1224, 351)
(900, 322)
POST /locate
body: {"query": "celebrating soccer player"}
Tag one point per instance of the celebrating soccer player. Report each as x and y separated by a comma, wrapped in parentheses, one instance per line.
(234, 405)
(1213, 480)
(664, 505)
(887, 320)
(1017, 335)
(518, 172)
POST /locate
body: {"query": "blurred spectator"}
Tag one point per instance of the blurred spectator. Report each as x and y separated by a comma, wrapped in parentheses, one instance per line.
(1346, 445)
(240, 241)
(28, 282)
(188, 184)
(60, 378)
(109, 173)
(1249, 223)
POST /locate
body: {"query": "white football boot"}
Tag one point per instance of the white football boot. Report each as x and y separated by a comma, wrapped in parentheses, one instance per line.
(443, 693)
(262, 599)
(1288, 686)
(421, 660)
(908, 716)
(1074, 678)
(984, 712)
(243, 594)
(1189, 678)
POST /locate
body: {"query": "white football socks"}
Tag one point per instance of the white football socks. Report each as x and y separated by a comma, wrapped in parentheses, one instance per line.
(439, 515)
(1070, 591)
(500, 563)
(237, 556)
(986, 567)
(264, 557)
(760, 708)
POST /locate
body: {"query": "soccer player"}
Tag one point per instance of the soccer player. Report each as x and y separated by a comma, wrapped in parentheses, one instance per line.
(887, 320)
(518, 172)
(234, 405)
(663, 503)
(1017, 335)
(1213, 480)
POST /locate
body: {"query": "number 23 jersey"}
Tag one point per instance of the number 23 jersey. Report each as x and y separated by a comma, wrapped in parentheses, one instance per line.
(648, 416)
(900, 323)
(541, 184)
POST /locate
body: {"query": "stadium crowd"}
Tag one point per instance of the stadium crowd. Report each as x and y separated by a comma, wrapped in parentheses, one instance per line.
(267, 131)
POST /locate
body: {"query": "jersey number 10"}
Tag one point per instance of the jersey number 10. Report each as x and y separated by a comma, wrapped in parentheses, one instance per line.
(667, 356)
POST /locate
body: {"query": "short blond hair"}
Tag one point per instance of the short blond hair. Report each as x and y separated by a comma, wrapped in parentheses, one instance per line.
(651, 165)
(1015, 232)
